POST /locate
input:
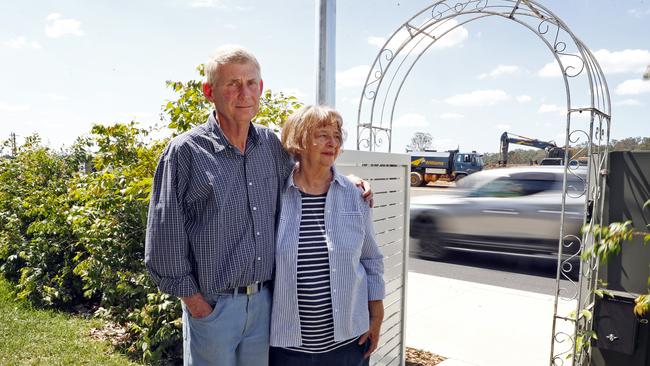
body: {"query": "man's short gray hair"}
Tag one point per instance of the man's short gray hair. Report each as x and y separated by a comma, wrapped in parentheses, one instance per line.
(228, 54)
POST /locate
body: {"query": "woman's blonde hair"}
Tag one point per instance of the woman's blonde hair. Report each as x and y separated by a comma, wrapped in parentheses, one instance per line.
(300, 126)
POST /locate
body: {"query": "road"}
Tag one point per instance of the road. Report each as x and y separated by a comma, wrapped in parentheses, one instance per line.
(513, 273)
(491, 269)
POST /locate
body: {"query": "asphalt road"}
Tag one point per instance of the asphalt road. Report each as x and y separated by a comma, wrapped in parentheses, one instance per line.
(492, 269)
(516, 273)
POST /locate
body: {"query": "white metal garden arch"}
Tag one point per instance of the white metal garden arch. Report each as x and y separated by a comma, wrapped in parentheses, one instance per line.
(580, 72)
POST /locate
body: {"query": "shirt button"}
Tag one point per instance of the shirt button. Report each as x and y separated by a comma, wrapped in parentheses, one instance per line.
(250, 183)
(334, 290)
(333, 269)
(259, 258)
(257, 233)
(254, 208)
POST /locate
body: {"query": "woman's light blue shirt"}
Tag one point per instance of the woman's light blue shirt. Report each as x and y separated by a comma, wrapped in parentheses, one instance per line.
(356, 264)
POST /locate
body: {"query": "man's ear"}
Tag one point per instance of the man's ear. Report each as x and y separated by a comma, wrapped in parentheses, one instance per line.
(261, 86)
(207, 91)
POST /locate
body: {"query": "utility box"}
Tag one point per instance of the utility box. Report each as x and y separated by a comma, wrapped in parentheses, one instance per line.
(623, 337)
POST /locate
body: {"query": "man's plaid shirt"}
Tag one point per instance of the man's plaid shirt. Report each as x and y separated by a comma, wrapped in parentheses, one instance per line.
(212, 214)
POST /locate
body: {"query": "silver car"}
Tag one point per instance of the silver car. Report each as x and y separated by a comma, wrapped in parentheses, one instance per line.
(508, 210)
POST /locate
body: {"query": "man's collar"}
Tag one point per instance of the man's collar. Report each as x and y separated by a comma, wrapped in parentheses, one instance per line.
(222, 141)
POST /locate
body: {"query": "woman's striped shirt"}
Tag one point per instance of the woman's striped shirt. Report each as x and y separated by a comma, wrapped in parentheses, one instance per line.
(313, 280)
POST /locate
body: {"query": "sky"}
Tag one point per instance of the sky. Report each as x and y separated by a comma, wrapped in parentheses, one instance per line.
(67, 64)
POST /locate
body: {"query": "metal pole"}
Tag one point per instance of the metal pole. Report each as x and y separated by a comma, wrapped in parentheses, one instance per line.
(326, 43)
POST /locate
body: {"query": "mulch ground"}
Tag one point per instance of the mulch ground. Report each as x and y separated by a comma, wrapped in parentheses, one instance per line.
(418, 357)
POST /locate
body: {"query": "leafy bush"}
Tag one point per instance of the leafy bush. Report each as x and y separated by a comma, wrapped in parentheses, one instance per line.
(37, 247)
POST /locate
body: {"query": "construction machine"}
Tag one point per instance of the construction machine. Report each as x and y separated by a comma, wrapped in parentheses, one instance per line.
(552, 150)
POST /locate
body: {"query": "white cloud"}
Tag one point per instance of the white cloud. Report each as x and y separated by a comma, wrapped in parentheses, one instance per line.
(639, 13)
(548, 108)
(451, 39)
(205, 4)
(445, 144)
(293, 92)
(451, 116)
(411, 120)
(6, 107)
(354, 102)
(57, 97)
(633, 87)
(626, 61)
(352, 77)
(478, 98)
(59, 27)
(138, 116)
(523, 98)
(571, 63)
(22, 42)
(502, 127)
(500, 71)
(376, 41)
(419, 42)
(628, 103)
(611, 62)
(551, 69)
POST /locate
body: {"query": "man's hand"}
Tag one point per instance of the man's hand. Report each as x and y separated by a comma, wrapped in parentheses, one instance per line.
(376, 309)
(365, 187)
(197, 306)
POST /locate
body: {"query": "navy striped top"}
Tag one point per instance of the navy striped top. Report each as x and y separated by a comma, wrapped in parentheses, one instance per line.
(313, 279)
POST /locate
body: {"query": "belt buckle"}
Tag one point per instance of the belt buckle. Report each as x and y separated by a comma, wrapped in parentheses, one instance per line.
(252, 288)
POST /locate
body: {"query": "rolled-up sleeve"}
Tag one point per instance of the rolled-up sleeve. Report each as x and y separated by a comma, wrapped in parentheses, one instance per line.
(167, 245)
(372, 259)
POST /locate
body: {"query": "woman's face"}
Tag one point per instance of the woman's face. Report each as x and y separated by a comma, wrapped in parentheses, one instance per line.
(324, 146)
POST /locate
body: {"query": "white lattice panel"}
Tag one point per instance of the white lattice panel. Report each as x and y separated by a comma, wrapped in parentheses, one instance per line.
(388, 175)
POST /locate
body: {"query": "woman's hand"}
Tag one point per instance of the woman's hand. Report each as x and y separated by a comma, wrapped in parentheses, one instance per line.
(376, 309)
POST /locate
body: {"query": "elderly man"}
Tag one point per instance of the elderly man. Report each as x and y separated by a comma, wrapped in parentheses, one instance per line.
(212, 219)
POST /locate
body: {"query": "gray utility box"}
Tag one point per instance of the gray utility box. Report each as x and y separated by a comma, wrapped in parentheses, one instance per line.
(623, 337)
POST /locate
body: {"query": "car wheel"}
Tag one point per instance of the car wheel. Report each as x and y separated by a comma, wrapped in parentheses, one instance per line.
(459, 177)
(416, 179)
(432, 248)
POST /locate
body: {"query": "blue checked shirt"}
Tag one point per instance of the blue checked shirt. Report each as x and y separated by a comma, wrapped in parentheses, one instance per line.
(212, 215)
(356, 264)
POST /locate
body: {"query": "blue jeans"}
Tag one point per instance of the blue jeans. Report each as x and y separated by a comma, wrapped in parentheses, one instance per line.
(236, 333)
(349, 355)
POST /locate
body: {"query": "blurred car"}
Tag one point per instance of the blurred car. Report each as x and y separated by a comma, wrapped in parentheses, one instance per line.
(508, 210)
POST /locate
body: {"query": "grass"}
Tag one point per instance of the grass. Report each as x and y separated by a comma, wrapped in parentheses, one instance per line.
(42, 337)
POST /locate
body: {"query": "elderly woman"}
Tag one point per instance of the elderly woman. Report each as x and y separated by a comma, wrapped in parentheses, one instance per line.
(327, 301)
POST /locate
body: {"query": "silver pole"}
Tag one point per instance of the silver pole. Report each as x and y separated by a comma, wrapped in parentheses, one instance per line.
(326, 43)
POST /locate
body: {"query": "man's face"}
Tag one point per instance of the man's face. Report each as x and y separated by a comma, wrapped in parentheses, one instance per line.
(236, 93)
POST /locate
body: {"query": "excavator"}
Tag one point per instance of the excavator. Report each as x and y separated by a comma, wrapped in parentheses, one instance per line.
(553, 152)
